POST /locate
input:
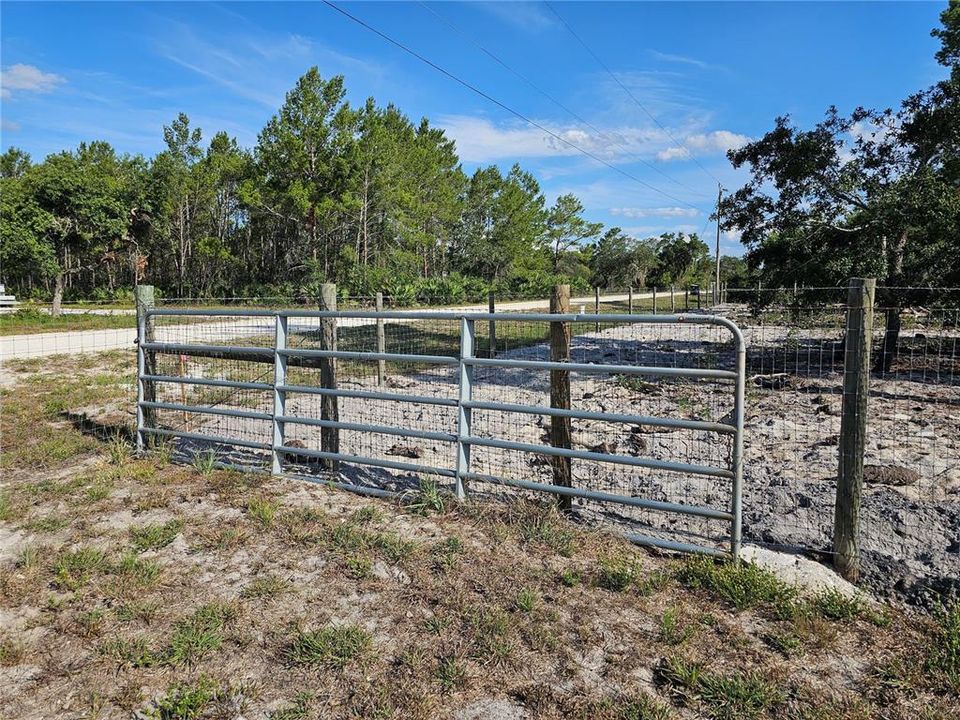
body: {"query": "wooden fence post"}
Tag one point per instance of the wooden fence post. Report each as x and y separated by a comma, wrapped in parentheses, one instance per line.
(560, 427)
(492, 308)
(145, 298)
(654, 299)
(329, 437)
(381, 343)
(630, 301)
(596, 305)
(686, 298)
(853, 427)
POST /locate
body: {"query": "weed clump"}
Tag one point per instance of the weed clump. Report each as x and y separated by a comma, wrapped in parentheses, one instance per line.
(738, 696)
(156, 536)
(944, 655)
(332, 647)
(742, 585)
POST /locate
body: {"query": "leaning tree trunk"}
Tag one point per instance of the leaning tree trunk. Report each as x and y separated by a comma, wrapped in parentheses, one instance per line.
(889, 349)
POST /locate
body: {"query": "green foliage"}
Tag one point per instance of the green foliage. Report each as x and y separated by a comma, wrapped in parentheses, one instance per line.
(75, 568)
(450, 673)
(199, 633)
(262, 510)
(617, 572)
(721, 697)
(333, 647)
(156, 535)
(428, 498)
(742, 585)
(185, 700)
(205, 462)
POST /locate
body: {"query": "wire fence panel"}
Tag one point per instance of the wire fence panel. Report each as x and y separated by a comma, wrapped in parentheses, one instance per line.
(910, 512)
(655, 431)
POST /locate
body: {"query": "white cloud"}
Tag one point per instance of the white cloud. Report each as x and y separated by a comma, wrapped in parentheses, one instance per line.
(27, 78)
(254, 65)
(681, 59)
(634, 212)
(9, 125)
(703, 144)
(523, 15)
(480, 140)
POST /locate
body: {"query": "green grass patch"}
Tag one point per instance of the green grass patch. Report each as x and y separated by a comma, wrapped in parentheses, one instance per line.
(736, 696)
(155, 536)
(75, 568)
(31, 321)
(185, 700)
(262, 510)
(200, 633)
(334, 646)
(742, 585)
(617, 572)
(267, 586)
(450, 673)
(944, 653)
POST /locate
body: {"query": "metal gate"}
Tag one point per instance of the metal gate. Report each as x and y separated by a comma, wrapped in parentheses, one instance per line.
(321, 394)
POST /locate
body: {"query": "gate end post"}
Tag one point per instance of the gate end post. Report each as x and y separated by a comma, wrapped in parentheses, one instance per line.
(279, 396)
(464, 414)
(145, 298)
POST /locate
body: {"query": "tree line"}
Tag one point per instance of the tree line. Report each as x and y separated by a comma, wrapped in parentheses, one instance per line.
(359, 196)
(875, 193)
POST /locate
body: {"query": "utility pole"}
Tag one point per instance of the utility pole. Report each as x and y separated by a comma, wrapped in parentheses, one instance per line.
(716, 282)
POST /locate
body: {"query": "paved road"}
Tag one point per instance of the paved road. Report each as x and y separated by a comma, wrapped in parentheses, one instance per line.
(89, 341)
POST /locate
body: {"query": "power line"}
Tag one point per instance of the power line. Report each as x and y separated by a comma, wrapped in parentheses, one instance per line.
(503, 106)
(548, 96)
(630, 93)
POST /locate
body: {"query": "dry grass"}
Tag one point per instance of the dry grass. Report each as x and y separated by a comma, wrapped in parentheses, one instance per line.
(131, 585)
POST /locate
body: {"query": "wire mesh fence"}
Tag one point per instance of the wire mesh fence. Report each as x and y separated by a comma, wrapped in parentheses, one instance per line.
(910, 512)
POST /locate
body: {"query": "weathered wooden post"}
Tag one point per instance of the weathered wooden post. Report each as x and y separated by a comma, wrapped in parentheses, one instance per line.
(630, 301)
(560, 428)
(329, 436)
(654, 299)
(492, 308)
(673, 302)
(381, 343)
(853, 427)
(145, 298)
(596, 305)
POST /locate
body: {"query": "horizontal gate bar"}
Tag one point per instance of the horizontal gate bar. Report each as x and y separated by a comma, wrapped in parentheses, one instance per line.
(211, 382)
(207, 438)
(675, 545)
(698, 510)
(351, 355)
(708, 373)
(214, 350)
(208, 410)
(609, 417)
(363, 427)
(368, 394)
(621, 318)
(358, 460)
(599, 457)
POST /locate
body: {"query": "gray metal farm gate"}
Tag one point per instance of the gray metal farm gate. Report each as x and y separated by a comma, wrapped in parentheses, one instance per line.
(484, 400)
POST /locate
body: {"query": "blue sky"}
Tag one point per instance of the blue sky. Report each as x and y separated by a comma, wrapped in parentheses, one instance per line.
(711, 74)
